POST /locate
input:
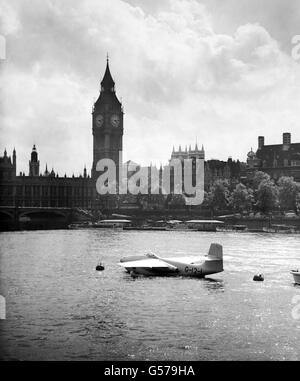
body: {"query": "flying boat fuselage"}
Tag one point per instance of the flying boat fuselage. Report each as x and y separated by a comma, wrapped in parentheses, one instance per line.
(154, 265)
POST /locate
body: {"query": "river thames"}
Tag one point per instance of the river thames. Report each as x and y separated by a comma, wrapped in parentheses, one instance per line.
(59, 308)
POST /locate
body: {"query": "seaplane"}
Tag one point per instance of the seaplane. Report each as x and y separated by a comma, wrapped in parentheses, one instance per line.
(153, 265)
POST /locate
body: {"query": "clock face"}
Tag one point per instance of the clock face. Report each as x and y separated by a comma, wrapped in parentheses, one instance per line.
(115, 120)
(99, 120)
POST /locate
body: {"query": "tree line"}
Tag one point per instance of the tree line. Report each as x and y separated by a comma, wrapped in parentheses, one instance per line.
(264, 195)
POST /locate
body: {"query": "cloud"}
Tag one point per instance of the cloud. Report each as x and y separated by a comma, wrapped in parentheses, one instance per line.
(178, 78)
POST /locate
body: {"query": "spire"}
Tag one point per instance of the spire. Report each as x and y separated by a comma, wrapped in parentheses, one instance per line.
(190, 148)
(34, 155)
(5, 153)
(202, 149)
(107, 93)
(107, 83)
(180, 148)
(173, 149)
(185, 148)
(14, 157)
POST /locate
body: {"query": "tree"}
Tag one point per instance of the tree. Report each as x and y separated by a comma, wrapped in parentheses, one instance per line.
(267, 196)
(258, 178)
(207, 199)
(298, 203)
(242, 198)
(208, 202)
(219, 195)
(289, 193)
(177, 200)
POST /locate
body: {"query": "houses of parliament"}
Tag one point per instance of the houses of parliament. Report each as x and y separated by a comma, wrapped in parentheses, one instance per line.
(47, 189)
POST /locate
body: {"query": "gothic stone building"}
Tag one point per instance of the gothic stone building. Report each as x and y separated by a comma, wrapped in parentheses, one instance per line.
(42, 190)
(213, 169)
(48, 189)
(276, 159)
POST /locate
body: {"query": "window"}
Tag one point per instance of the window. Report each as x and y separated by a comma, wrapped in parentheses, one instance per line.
(295, 163)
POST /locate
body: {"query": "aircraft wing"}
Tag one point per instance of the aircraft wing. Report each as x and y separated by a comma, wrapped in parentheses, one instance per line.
(148, 262)
(187, 260)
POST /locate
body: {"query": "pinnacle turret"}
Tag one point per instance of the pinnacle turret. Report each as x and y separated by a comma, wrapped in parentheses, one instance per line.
(107, 83)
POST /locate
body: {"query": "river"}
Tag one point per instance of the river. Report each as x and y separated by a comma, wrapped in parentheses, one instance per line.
(59, 308)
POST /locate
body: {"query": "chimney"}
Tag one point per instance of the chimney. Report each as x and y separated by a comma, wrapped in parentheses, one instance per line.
(261, 142)
(286, 138)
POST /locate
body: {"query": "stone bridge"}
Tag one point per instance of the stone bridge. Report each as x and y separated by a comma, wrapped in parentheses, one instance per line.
(15, 214)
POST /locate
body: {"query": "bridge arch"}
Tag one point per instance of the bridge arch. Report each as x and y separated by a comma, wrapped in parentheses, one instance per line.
(45, 214)
(6, 215)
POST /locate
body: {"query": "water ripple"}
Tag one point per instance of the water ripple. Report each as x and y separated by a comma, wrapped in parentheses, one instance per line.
(60, 308)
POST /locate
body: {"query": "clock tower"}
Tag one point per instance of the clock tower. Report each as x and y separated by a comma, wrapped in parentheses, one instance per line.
(107, 119)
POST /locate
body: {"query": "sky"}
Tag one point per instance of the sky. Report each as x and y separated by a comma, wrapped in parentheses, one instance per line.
(219, 72)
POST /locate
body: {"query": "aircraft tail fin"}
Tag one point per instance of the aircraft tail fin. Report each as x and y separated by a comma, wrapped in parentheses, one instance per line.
(214, 262)
(215, 251)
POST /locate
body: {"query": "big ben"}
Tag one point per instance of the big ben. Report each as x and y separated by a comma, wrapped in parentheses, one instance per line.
(107, 119)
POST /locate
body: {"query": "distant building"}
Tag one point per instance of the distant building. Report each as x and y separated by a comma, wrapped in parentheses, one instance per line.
(8, 167)
(48, 189)
(276, 159)
(34, 163)
(42, 190)
(213, 169)
(230, 170)
(107, 121)
(191, 153)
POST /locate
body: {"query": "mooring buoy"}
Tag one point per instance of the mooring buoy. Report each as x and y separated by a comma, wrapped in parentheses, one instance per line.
(259, 277)
(99, 267)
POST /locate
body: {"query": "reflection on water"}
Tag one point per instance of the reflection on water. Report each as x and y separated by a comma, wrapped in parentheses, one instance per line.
(59, 307)
(214, 284)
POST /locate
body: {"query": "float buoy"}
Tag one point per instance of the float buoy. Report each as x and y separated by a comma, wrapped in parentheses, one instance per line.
(258, 277)
(99, 267)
